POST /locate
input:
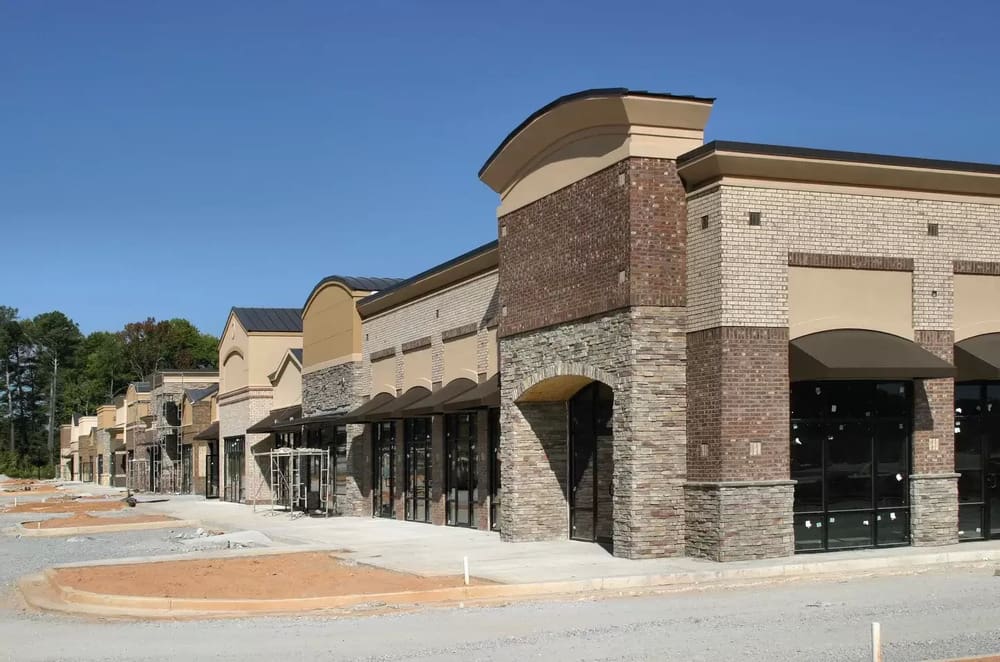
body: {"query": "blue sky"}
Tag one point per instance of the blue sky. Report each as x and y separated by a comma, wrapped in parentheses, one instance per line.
(173, 159)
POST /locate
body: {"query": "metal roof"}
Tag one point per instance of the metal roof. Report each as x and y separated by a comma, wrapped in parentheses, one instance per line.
(270, 319)
(356, 283)
(142, 387)
(297, 353)
(197, 394)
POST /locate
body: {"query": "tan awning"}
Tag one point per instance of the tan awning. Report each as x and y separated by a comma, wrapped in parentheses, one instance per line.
(275, 418)
(978, 357)
(361, 414)
(486, 394)
(861, 354)
(434, 403)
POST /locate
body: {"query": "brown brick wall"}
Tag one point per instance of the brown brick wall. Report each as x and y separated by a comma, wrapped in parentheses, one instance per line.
(737, 394)
(613, 239)
(934, 410)
(836, 261)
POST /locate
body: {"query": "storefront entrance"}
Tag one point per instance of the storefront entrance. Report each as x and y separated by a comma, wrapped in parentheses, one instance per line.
(235, 459)
(850, 458)
(384, 484)
(977, 459)
(212, 471)
(591, 445)
(460, 469)
(418, 469)
(187, 470)
(494, 418)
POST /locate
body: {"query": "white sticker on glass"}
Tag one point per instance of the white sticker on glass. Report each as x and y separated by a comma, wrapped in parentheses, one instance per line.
(899, 477)
(832, 520)
(809, 524)
(958, 410)
(865, 522)
(833, 409)
(892, 515)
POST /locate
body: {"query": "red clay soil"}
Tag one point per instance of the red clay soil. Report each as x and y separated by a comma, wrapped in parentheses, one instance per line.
(272, 576)
(93, 506)
(83, 519)
(27, 485)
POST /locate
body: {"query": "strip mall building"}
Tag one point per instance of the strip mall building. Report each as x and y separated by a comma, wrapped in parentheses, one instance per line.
(721, 350)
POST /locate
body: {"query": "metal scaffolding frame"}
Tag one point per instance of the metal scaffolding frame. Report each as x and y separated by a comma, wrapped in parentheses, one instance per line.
(286, 485)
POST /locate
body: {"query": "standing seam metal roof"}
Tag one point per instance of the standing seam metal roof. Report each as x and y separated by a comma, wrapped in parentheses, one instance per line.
(270, 319)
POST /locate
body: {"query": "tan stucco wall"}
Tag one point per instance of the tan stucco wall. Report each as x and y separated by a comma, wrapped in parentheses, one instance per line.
(265, 353)
(977, 305)
(106, 416)
(288, 386)
(233, 349)
(384, 376)
(417, 369)
(331, 327)
(460, 358)
(823, 299)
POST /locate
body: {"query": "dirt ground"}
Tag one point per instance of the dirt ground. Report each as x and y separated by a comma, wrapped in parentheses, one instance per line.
(28, 485)
(68, 506)
(306, 574)
(83, 519)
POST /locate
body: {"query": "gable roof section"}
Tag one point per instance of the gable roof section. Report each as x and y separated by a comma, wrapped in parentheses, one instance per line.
(273, 320)
(370, 284)
(297, 353)
(198, 394)
(291, 355)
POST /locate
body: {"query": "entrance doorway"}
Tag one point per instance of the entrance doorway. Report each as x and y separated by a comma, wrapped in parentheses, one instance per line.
(460, 469)
(235, 458)
(212, 471)
(591, 448)
(417, 490)
(384, 484)
(850, 458)
(977, 459)
(494, 469)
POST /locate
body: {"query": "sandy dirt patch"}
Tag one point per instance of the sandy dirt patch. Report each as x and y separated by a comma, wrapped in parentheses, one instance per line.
(83, 519)
(272, 576)
(68, 506)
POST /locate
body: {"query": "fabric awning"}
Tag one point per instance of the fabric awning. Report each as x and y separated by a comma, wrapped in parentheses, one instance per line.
(211, 433)
(862, 354)
(335, 417)
(361, 414)
(395, 407)
(978, 357)
(486, 394)
(434, 403)
(276, 417)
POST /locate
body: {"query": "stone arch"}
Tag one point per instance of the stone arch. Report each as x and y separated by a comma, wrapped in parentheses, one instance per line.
(560, 381)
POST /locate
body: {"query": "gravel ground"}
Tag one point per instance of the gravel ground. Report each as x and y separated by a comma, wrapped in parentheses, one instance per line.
(930, 616)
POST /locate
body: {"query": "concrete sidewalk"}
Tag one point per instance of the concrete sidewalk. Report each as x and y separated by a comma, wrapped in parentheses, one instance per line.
(438, 550)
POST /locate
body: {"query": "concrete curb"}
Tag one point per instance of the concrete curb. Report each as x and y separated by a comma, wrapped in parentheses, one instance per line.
(36, 587)
(20, 530)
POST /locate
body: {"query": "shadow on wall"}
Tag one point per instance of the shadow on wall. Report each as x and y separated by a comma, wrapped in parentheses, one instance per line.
(492, 309)
(359, 453)
(547, 421)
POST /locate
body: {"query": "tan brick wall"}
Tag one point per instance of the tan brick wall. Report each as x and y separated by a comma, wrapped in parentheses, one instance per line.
(750, 264)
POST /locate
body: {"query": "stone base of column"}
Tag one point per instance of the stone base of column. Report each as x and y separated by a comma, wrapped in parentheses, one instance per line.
(933, 509)
(739, 521)
(356, 500)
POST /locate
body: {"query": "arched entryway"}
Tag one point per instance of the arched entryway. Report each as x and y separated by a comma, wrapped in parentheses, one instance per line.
(591, 460)
(566, 421)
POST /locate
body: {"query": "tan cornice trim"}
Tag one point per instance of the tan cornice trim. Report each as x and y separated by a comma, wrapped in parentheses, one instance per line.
(340, 360)
(249, 391)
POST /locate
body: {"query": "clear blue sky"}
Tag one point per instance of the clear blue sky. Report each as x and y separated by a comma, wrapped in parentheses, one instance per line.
(177, 158)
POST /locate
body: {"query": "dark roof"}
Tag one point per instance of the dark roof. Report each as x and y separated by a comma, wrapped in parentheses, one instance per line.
(297, 353)
(595, 92)
(277, 417)
(486, 394)
(142, 387)
(357, 283)
(429, 272)
(197, 394)
(211, 433)
(270, 319)
(834, 155)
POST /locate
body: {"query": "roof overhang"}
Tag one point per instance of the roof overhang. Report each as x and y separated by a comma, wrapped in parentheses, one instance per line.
(718, 161)
(580, 134)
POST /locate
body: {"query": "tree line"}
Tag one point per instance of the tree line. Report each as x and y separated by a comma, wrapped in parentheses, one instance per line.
(47, 357)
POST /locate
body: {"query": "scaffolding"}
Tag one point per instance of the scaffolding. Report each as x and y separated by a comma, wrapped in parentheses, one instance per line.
(293, 474)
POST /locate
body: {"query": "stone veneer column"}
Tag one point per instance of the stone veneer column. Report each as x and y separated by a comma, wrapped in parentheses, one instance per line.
(933, 481)
(327, 390)
(739, 496)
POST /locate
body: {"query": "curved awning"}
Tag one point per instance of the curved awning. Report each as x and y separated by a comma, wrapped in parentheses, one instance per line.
(486, 394)
(862, 354)
(978, 357)
(276, 418)
(396, 407)
(434, 403)
(362, 413)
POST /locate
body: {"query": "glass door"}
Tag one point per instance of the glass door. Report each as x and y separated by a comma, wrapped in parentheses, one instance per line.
(418, 469)
(383, 486)
(212, 471)
(187, 470)
(460, 469)
(235, 457)
(977, 459)
(591, 462)
(850, 458)
(495, 469)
